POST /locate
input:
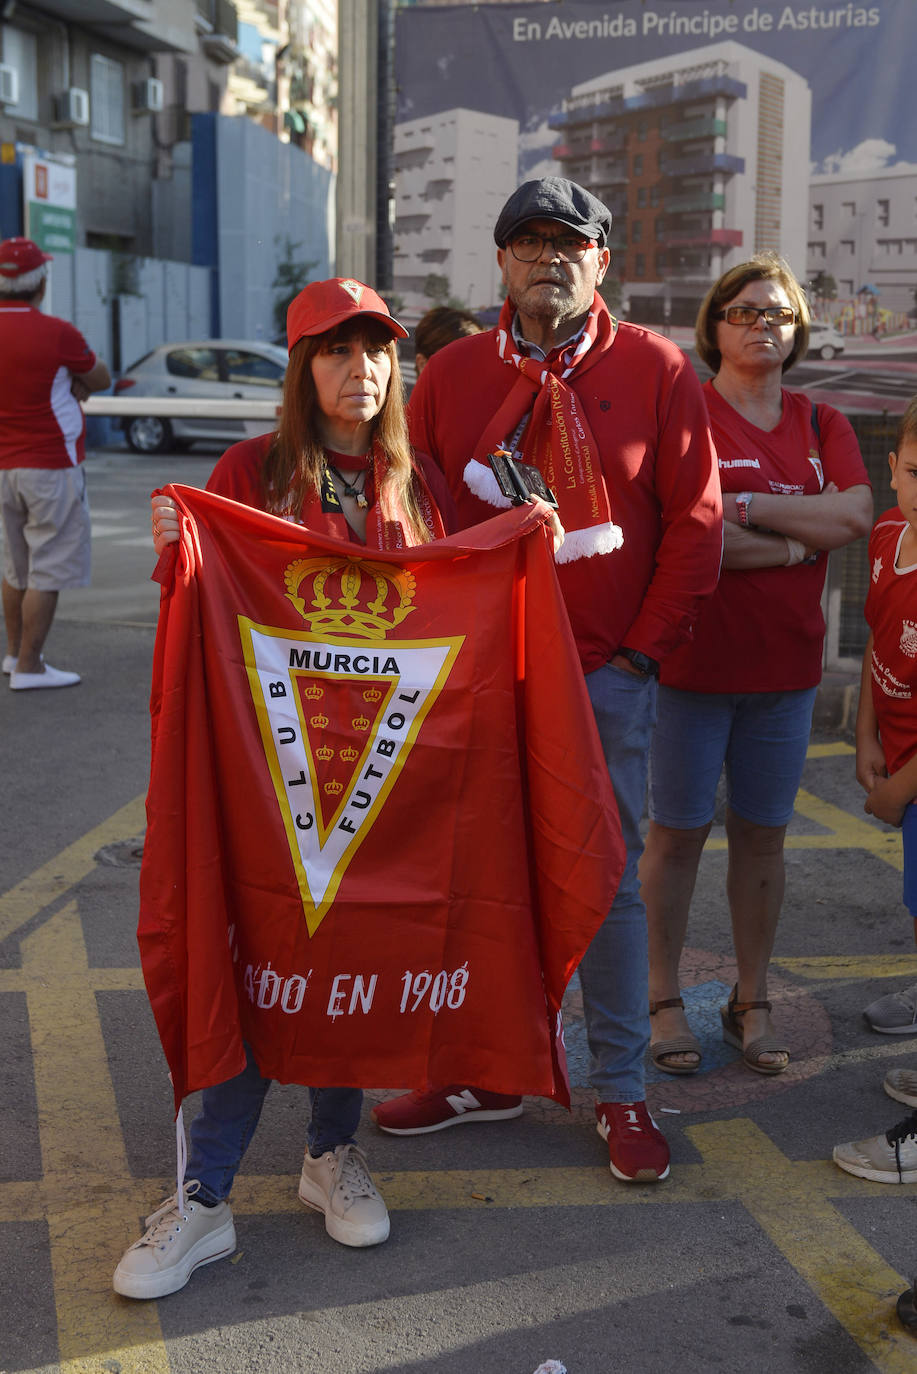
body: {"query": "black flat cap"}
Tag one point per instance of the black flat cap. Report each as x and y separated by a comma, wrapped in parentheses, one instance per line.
(558, 199)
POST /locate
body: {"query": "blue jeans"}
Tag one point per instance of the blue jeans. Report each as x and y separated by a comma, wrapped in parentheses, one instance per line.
(221, 1132)
(614, 972)
(909, 841)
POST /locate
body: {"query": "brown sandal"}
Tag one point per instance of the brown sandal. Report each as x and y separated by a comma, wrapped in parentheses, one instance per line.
(752, 1052)
(677, 1044)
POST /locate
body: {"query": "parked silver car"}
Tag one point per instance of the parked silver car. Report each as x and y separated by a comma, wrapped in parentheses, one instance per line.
(824, 340)
(211, 369)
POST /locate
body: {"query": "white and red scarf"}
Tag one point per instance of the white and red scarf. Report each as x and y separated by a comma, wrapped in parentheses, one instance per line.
(542, 413)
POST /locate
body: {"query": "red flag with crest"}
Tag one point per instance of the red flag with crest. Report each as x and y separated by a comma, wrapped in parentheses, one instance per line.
(381, 832)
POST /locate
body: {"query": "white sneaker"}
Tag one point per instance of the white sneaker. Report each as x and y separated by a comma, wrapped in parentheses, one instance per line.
(9, 664)
(888, 1158)
(174, 1245)
(894, 1014)
(339, 1184)
(901, 1084)
(51, 677)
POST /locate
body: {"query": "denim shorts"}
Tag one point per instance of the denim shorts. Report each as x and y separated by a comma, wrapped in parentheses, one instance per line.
(909, 841)
(760, 738)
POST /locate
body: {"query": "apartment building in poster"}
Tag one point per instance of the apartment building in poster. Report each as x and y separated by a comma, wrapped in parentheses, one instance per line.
(703, 159)
(452, 170)
(863, 235)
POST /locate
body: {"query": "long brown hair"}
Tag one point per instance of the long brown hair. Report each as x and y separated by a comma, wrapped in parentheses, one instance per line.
(295, 462)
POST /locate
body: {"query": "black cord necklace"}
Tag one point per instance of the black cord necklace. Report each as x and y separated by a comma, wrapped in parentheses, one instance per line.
(356, 493)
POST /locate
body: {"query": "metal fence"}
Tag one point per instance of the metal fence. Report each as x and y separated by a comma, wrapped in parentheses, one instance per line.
(848, 570)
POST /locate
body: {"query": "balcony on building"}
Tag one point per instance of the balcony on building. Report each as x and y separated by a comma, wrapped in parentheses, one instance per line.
(586, 112)
(410, 224)
(700, 89)
(719, 238)
(612, 141)
(139, 24)
(688, 268)
(438, 187)
(218, 25)
(705, 126)
(701, 163)
(693, 202)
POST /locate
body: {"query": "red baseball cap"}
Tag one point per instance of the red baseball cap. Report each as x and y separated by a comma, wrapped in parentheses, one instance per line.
(323, 304)
(18, 256)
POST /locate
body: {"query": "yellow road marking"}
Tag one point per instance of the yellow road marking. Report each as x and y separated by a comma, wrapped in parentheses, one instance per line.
(53, 879)
(844, 831)
(90, 1217)
(92, 1208)
(855, 1284)
(829, 751)
(836, 968)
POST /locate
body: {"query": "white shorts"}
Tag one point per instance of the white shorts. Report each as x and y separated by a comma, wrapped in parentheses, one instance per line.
(47, 534)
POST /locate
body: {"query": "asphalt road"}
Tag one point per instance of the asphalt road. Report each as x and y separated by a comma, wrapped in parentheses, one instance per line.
(511, 1243)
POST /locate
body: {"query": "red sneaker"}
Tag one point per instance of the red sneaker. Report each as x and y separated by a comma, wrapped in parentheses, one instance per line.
(417, 1113)
(637, 1149)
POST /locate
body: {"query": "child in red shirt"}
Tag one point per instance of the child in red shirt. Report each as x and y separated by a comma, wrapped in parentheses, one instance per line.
(886, 760)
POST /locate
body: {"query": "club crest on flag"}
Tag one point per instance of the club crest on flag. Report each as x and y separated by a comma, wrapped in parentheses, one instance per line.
(340, 707)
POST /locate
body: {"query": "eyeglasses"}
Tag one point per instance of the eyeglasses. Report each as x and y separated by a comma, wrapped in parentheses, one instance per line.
(567, 247)
(748, 314)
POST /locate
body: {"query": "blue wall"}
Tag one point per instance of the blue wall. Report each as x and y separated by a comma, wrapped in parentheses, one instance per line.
(250, 194)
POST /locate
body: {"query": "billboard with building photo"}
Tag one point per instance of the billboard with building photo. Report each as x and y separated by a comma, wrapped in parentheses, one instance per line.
(711, 129)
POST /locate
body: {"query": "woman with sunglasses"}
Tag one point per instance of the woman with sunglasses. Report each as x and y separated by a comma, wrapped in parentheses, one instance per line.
(740, 694)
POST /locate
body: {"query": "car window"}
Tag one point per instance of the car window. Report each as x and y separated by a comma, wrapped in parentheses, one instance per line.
(251, 368)
(193, 362)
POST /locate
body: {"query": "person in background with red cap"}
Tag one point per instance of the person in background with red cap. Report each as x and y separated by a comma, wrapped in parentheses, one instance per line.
(48, 368)
(339, 463)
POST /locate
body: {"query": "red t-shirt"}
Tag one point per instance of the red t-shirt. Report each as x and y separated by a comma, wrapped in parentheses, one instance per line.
(891, 614)
(41, 423)
(763, 628)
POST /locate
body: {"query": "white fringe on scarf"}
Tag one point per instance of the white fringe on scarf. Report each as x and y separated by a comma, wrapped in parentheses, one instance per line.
(587, 543)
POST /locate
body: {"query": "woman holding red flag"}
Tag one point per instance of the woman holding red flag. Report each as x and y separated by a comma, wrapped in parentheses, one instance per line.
(339, 463)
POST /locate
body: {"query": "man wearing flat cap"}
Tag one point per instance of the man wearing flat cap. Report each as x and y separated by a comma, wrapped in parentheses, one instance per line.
(48, 368)
(613, 417)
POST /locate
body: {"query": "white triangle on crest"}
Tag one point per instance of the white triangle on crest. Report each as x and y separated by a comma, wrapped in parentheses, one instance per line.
(353, 288)
(275, 658)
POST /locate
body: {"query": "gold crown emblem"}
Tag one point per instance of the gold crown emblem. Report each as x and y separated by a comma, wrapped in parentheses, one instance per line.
(319, 722)
(360, 723)
(314, 693)
(324, 753)
(350, 596)
(372, 694)
(334, 787)
(350, 755)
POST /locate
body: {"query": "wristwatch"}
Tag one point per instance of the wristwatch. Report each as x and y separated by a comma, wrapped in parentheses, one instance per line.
(646, 665)
(743, 505)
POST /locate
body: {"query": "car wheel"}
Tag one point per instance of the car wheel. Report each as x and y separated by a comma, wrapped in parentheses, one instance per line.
(148, 434)
(827, 351)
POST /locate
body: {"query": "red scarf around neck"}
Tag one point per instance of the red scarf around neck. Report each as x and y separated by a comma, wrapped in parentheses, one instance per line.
(557, 438)
(387, 526)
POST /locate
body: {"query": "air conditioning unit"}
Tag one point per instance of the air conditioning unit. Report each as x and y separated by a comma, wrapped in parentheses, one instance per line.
(9, 85)
(72, 108)
(148, 96)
